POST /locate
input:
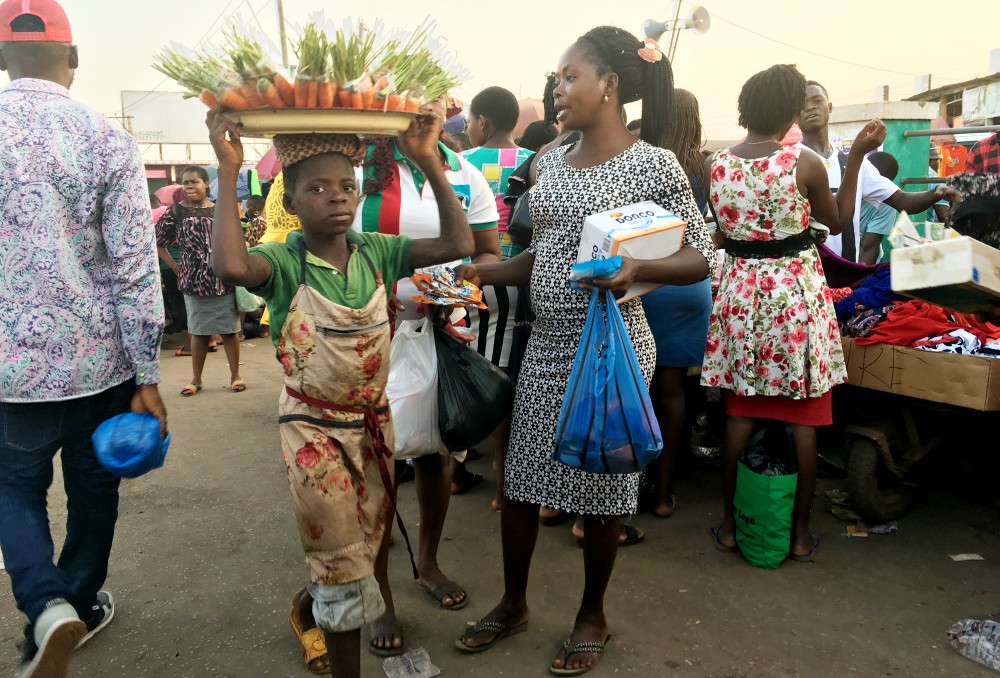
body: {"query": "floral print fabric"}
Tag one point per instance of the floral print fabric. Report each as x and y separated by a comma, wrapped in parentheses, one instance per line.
(191, 229)
(80, 303)
(336, 363)
(773, 331)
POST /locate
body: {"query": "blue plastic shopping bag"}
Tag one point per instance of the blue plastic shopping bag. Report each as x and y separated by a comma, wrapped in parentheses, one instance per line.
(606, 423)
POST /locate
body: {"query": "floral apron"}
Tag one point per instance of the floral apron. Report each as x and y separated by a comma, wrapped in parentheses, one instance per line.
(336, 431)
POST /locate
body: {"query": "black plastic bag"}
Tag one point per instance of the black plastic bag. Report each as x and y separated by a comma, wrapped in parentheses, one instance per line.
(474, 396)
(771, 450)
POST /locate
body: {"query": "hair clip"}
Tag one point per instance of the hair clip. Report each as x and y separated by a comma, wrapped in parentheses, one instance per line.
(651, 51)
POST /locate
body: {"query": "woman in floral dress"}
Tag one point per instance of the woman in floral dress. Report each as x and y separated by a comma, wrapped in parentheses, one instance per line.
(773, 342)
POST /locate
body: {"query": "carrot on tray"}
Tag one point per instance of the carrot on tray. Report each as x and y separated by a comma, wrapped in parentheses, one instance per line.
(268, 92)
(301, 93)
(327, 94)
(368, 99)
(249, 89)
(285, 89)
(313, 97)
(343, 98)
(394, 102)
(233, 98)
(208, 98)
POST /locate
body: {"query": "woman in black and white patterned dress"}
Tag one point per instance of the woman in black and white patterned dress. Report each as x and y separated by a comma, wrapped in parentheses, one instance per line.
(606, 169)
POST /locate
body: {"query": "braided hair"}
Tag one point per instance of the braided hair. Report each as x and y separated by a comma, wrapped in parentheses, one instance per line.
(771, 100)
(685, 141)
(614, 50)
(548, 99)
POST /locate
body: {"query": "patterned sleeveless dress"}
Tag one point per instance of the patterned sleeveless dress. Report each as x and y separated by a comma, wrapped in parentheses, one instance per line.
(773, 329)
(563, 197)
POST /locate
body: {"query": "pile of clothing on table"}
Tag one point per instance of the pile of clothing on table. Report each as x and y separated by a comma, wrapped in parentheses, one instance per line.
(872, 313)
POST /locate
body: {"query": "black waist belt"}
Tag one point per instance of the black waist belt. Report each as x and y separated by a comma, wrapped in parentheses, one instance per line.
(771, 249)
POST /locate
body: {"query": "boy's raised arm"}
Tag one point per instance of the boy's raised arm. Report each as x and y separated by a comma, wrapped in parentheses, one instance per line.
(230, 259)
(456, 240)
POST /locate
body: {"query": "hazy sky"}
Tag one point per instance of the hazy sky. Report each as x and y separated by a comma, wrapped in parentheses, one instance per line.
(515, 44)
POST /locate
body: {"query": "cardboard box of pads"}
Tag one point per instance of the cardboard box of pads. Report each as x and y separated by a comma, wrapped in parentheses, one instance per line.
(640, 231)
(962, 274)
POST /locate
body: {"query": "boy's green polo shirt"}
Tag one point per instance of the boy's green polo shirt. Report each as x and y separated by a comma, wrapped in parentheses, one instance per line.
(389, 254)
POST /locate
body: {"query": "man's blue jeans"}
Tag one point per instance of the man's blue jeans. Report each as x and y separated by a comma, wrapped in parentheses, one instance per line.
(30, 435)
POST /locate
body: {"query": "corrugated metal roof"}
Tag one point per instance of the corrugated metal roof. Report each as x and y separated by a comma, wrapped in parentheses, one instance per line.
(938, 92)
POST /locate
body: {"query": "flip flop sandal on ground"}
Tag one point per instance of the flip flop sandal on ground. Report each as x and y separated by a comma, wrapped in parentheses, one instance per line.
(312, 640)
(238, 386)
(461, 488)
(180, 353)
(672, 505)
(381, 630)
(632, 537)
(190, 390)
(445, 589)
(580, 648)
(806, 557)
(499, 628)
(719, 546)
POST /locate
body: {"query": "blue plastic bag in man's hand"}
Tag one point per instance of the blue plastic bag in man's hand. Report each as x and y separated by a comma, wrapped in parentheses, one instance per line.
(129, 445)
(606, 423)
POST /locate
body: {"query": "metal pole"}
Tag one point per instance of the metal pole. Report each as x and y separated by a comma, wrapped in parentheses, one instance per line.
(674, 31)
(280, 4)
(923, 180)
(983, 129)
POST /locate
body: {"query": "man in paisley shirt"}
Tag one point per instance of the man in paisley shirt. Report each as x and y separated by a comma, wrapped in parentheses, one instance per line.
(81, 318)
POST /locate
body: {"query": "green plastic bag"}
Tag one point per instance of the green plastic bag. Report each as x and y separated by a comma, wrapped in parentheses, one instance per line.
(247, 302)
(763, 508)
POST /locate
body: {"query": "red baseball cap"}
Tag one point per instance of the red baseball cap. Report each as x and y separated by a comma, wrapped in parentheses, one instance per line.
(54, 23)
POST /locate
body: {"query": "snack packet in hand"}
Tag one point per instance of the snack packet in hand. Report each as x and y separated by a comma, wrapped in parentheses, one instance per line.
(438, 287)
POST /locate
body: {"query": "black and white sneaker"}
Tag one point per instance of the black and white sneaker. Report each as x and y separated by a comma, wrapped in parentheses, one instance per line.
(101, 615)
(60, 629)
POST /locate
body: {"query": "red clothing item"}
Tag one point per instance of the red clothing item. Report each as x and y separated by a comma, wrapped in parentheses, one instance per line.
(985, 156)
(910, 321)
(804, 411)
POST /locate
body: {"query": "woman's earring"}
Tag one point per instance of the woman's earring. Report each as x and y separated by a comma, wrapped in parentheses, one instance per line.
(605, 98)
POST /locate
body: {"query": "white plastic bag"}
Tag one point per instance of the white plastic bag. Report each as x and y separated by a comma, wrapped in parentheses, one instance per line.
(412, 390)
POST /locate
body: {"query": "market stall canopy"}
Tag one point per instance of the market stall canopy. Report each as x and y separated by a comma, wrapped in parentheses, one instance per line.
(794, 136)
(530, 111)
(268, 167)
(166, 194)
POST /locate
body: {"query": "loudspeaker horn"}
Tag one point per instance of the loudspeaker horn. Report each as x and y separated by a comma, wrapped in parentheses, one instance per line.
(653, 29)
(699, 20)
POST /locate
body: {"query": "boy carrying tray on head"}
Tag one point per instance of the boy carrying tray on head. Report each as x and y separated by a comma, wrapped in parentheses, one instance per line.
(326, 289)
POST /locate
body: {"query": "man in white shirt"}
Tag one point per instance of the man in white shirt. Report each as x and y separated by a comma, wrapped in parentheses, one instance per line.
(872, 186)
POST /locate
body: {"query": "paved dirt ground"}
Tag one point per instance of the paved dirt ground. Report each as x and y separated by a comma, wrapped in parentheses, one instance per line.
(207, 558)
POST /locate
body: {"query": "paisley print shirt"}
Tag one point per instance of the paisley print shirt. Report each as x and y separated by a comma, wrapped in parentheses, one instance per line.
(80, 303)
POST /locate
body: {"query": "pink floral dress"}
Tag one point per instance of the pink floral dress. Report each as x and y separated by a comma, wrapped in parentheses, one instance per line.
(773, 330)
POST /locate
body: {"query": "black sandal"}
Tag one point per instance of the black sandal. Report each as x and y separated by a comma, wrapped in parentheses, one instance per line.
(580, 648)
(499, 628)
(632, 537)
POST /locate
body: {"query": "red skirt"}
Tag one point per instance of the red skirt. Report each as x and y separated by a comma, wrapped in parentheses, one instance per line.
(805, 411)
